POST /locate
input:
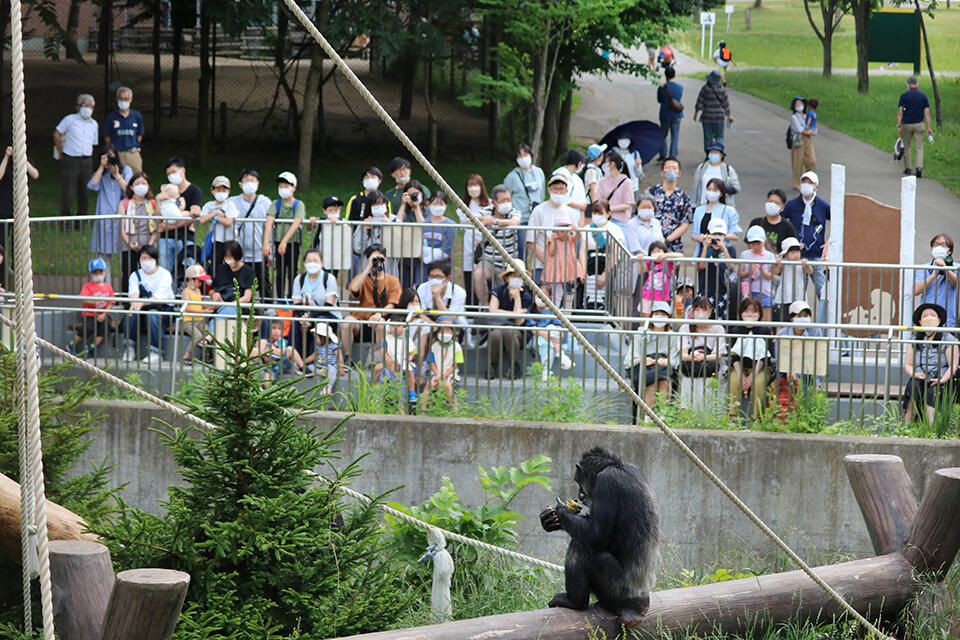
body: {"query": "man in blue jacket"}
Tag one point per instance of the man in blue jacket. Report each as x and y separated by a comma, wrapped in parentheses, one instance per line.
(808, 214)
(669, 119)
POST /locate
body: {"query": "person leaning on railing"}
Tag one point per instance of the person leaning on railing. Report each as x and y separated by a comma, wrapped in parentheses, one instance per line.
(372, 288)
(501, 218)
(505, 345)
(939, 285)
(153, 286)
(136, 229)
(930, 362)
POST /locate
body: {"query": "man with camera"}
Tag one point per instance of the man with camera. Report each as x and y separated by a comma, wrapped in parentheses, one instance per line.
(372, 288)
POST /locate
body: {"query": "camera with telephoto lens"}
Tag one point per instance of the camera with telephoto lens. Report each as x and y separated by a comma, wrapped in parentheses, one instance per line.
(948, 261)
(414, 197)
(377, 265)
(113, 160)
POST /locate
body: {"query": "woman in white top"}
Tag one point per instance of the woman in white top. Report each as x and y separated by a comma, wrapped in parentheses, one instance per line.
(600, 255)
(714, 166)
(702, 355)
(477, 199)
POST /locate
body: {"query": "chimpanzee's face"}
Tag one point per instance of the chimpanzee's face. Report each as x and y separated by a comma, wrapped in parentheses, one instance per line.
(586, 484)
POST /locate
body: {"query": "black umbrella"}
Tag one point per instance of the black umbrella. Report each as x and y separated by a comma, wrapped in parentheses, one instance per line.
(646, 138)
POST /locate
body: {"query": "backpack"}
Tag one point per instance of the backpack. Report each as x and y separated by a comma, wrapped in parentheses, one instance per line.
(725, 54)
(278, 203)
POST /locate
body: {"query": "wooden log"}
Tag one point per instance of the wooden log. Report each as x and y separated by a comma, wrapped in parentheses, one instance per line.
(62, 524)
(886, 497)
(875, 586)
(934, 538)
(145, 604)
(82, 577)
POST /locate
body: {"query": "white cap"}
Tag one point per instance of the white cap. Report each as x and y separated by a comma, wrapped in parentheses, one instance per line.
(812, 177)
(324, 330)
(717, 225)
(221, 181)
(287, 177)
(558, 177)
(798, 307)
(789, 243)
(756, 234)
(662, 307)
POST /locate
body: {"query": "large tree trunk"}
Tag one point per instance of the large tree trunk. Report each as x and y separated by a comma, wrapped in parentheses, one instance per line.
(105, 34)
(311, 118)
(861, 20)
(933, 78)
(408, 74)
(563, 125)
(538, 105)
(73, 19)
(549, 150)
(177, 45)
(157, 72)
(203, 97)
(827, 54)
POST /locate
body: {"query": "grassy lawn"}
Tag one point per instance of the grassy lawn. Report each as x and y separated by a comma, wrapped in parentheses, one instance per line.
(781, 36)
(869, 118)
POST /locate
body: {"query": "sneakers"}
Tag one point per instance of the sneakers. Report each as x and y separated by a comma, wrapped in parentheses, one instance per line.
(565, 362)
(907, 172)
(309, 371)
(90, 351)
(412, 397)
(919, 172)
(130, 355)
(545, 374)
(152, 358)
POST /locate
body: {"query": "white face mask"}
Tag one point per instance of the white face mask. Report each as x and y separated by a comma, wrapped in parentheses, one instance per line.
(750, 317)
(559, 198)
(713, 196)
(940, 252)
(250, 188)
(123, 105)
(645, 214)
(378, 210)
(148, 265)
(98, 278)
(658, 322)
(798, 108)
(701, 315)
(220, 196)
(505, 207)
(284, 192)
(473, 191)
(230, 262)
(175, 178)
(446, 337)
(86, 112)
(403, 180)
(516, 283)
(807, 189)
(436, 282)
(437, 210)
(623, 143)
(371, 183)
(714, 157)
(313, 268)
(802, 320)
(140, 190)
(771, 208)
(599, 219)
(524, 162)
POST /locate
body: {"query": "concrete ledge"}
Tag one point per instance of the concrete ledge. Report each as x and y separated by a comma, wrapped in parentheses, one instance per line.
(795, 483)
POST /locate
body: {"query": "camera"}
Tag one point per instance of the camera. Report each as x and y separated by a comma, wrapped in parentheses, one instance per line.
(377, 265)
(948, 261)
(414, 197)
(113, 160)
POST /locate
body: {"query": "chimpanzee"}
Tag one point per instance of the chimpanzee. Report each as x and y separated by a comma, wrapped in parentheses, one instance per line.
(614, 540)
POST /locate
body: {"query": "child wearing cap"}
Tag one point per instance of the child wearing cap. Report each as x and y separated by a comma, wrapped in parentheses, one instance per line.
(712, 275)
(684, 299)
(756, 280)
(445, 356)
(194, 326)
(791, 283)
(328, 356)
(334, 238)
(286, 214)
(94, 328)
(788, 384)
(220, 213)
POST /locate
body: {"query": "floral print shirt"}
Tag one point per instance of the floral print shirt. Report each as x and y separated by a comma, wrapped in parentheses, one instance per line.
(673, 211)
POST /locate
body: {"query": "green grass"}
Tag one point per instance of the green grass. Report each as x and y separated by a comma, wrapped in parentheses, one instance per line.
(781, 36)
(871, 117)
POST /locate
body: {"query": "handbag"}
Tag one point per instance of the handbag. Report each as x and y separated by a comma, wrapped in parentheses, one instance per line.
(675, 105)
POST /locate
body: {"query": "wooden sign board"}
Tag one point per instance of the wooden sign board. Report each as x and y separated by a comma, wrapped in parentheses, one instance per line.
(795, 356)
(403, 242)
(871, 233)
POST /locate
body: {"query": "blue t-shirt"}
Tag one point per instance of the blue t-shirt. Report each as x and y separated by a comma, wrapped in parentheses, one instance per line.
(123, 131)
(676, 92)
(913, 102)
(811, 122)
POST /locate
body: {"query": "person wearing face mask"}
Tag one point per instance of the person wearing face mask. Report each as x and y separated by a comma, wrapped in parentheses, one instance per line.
(154, 283)
(546, 215)
(286, 216)
(809, 214)
(654, 357)
(124, 129)
(930, 363)
(715, 166)
(475, 195)
(789, 384)
(91, 334)
(672, 203)
(631, 160)
(445, 358)
(179, 232)
(594, 170)
(939, 285)
(594, 287)
(643, 229)
(617, 190)
(371, 179)
(712, 108)
(505, 345)
(250, 224)
(439, 293)
(797, 140)
(501, 218)
(775, 226)
(438, 236)
(400, 171)
(137, 227)
(376, 211)
(576, 191)
(713, 274)
(703, 350)
(109, 181)
(73, 140)
(749, 362)
(528, 186)
(317, 288)
(406, 244)
(372, 288)
(235, 274)
(670, 119)
(716, 207)
(334, 238)
(220, 214)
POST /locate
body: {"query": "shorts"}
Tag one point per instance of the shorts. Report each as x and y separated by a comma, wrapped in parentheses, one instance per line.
(765, 300)
(93, 329)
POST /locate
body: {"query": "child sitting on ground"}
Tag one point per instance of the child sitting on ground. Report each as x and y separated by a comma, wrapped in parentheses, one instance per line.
(279, 350)
(549, 341)
(445, 356)
(329, 358)
(659, 272)
(194, 326)
(397, 355)
(94, 328)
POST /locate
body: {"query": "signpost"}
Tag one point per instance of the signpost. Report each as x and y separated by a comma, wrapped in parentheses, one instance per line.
(728, 9)
(707, 18)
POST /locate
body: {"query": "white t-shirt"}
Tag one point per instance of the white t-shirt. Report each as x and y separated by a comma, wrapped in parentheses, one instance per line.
(319, 288)
(469, 235)
(250, 234)
(447, 356)
(575, 189)
(336, 244)
(639, 235)
(709, 173)
(79, 136)
(591, 175)
(159, 283)
(546, 215)
(720, 61)
(791, 285)
(221, 233)
(455, 298)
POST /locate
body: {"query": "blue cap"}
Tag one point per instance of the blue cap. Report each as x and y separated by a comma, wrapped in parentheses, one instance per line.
(594, 151)
(97, 264)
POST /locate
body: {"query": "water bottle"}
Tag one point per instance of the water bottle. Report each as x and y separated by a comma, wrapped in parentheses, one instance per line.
(929, 137)
(732, 125)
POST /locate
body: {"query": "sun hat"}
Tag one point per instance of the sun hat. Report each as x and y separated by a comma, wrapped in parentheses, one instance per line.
(661, 306)
(516, 266)
(220, 181)
(941, 313)
(756, 234)
(323, 330)
(789, 243)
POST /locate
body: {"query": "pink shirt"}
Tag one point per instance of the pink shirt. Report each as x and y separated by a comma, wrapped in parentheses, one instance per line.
(607, 188)
(659, 277)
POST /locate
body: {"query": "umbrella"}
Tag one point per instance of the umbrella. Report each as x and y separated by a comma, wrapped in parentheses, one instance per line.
(646, 138)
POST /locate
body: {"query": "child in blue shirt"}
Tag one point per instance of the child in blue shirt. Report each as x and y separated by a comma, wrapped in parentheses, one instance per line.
(328, 360)
(549, 341)
(810, 124)
(278, 351)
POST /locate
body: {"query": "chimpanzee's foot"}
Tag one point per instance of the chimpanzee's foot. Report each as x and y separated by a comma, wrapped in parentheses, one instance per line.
(632, 613)
(562, 600)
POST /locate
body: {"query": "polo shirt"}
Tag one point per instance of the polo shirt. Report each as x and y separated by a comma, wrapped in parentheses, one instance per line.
(79, 135)
(124, 131)
(913, 102)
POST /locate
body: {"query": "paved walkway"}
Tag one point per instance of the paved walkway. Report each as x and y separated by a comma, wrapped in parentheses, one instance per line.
(756, 149)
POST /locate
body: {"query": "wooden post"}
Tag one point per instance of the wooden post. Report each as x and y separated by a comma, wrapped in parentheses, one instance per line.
(145, 604)
(886, 497)
(746, 18)
(82, 577)
(934, 538)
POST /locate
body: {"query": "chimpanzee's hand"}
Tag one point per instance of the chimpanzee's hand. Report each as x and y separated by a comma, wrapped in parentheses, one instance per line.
(549, 519)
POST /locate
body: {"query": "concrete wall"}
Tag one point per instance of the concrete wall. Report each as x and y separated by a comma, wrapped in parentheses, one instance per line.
(796, 484)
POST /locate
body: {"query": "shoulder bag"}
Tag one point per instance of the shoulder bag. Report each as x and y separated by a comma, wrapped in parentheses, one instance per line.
(675, 105)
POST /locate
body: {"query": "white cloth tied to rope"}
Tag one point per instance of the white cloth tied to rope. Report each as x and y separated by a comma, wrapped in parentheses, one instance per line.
(442, 573)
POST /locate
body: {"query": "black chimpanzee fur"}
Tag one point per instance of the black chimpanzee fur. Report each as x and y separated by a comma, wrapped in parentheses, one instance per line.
(614, 544)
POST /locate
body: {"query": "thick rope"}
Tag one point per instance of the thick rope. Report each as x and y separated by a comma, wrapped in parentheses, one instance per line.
(27, 365)
(302, 18)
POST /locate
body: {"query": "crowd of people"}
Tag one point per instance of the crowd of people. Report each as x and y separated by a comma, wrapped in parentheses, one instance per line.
(406, 289)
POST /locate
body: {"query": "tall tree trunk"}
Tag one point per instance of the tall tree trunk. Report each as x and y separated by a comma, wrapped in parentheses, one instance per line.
(177, 44)
(549, 151)
(105, 34)
(73, 18)
(493, 115)
(538, 105)
(408, 75)
(563, 125)
(861, 20)
(203, 97)
(933, 78)
(157, 72)
(279, 61)
(312, 114)
(827, 54)
(756, 4)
